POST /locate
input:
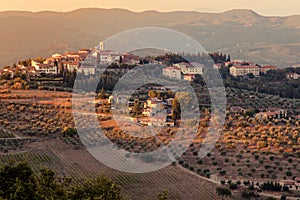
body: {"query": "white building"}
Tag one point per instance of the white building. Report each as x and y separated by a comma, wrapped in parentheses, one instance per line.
(87, 70)
(187, 68)
(35, 64)
(46, 69)
(107, 57)
(244, 70)
(172, 72)
(71, 66)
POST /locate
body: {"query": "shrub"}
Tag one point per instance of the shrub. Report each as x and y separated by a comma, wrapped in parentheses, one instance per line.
(223, 192)
(233, 186)
(288, 173)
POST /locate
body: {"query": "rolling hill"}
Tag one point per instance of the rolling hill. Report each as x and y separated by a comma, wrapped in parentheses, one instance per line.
(241, 33)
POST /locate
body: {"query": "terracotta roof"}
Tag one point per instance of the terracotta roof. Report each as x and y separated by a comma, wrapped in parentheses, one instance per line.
(45, 66)
(268, 113)
(246, 66)
(172, 68)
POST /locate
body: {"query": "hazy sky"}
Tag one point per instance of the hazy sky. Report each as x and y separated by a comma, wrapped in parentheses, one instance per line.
(264, 7)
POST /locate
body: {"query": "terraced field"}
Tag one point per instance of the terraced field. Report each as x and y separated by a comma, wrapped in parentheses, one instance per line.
(79, 164)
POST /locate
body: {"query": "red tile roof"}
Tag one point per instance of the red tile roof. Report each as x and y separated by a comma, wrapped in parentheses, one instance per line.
(246, 66)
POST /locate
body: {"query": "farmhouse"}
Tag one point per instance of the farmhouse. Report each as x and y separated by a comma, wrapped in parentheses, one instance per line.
(272, 113)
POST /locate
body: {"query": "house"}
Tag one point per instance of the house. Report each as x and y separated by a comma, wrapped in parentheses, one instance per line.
(8, 72)
(294, 76)
(49, 61)
(119, 99)
(160, 111)
(265, 115)
(87, 69)
(30, 70)
(130, 59)
(190, 68)
(72, 66)
(264, 69)
(189, 77)
(172, 72)
(152, 103)
(181, 65)
(46, 69)
(217, 66)
(244, 70)
(85, 51)
(88, 66)
(272, 113)
(153, 106)
(34, 64)
(73, 55)
(108, 56)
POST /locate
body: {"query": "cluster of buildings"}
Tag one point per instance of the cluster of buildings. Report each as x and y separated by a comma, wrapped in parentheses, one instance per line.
(87, 61)
(18, 70)
(153, 111)
(159, 111)
(186, 71)
(83, 61)
(243, 68)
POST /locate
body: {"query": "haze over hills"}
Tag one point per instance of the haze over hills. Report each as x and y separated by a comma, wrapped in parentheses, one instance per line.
(240, 33)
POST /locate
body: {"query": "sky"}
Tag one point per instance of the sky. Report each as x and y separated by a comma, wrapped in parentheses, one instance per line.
(263, 7)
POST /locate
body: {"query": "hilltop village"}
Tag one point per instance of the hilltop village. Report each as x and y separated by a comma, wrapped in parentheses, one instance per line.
(59, 71)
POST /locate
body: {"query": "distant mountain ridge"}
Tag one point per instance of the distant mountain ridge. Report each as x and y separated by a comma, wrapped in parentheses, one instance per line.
(241, 33)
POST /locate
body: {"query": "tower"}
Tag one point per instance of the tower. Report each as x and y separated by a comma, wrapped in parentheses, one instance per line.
(101, 45)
